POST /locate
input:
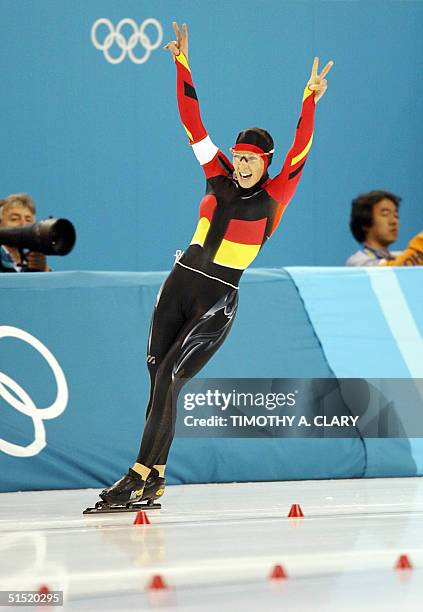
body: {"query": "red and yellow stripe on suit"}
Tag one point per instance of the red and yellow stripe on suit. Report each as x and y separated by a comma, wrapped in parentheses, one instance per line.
(241, 243)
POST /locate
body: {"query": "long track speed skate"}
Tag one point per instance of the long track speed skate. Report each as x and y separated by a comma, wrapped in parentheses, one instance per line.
(130, 494)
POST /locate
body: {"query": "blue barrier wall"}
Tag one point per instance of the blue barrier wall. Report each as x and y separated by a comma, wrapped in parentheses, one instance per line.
(300, 323)
(102, 144)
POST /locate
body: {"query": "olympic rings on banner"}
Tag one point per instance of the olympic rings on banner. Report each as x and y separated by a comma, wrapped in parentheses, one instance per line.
(18, 398)
(127, 46)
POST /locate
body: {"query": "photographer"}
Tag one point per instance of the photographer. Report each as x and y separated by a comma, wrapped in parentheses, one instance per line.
(16, 210)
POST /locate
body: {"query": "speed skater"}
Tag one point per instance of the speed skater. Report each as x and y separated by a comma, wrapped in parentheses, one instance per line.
(196, 306)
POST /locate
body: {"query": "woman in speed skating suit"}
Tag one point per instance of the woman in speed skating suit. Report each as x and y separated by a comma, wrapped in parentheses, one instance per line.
(196, 305)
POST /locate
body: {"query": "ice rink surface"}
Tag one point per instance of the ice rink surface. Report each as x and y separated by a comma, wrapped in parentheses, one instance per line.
(216, 545)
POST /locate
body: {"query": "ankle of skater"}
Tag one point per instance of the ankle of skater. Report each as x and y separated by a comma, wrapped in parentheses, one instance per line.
(142, 470)
(161, 469)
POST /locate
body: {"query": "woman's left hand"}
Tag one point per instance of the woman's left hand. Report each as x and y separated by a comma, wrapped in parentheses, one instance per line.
(181, 42)
(317, 82)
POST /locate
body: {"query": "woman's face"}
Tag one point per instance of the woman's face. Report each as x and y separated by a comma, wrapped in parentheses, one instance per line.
(249, 168)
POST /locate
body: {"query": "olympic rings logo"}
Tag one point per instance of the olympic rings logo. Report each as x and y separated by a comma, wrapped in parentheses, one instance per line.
(17, 397)
(127, 46)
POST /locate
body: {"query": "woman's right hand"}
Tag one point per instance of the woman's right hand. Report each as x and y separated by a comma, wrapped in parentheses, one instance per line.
(181, 42)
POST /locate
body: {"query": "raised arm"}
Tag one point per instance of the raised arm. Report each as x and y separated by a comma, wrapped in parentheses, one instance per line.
(212, 160)
(283, 186)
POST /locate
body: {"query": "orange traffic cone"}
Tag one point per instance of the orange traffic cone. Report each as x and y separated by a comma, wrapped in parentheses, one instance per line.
(403, 563)
(141, 518)
(157, 583)
(278, 573)
(295, 511)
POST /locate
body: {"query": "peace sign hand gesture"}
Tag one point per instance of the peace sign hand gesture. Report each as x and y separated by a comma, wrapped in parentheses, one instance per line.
(317, 82)
(181, 42)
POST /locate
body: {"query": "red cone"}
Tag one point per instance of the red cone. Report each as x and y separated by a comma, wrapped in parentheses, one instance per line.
(278, 573)
(295, 511)
(141, 518)
(157, 583)
(403, 563)
(43, 589)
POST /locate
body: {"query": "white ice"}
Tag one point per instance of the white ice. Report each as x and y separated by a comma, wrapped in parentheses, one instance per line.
(215, 546)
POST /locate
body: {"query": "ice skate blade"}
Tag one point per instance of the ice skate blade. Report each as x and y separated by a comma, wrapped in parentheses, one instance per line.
(103, 508)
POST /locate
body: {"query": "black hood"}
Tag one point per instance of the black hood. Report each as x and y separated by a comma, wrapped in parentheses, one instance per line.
(259, 138)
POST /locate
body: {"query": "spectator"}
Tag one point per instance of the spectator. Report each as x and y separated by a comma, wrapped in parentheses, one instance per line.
(15, 210)
(375, 224)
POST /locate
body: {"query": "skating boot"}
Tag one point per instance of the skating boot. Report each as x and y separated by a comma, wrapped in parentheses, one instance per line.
(154, 488)
(126, 495)
(127, 490)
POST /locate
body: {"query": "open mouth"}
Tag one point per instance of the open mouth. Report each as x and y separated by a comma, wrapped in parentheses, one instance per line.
(245, 176)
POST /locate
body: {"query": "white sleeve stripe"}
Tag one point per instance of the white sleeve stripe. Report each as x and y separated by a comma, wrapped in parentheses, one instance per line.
(204, 150)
